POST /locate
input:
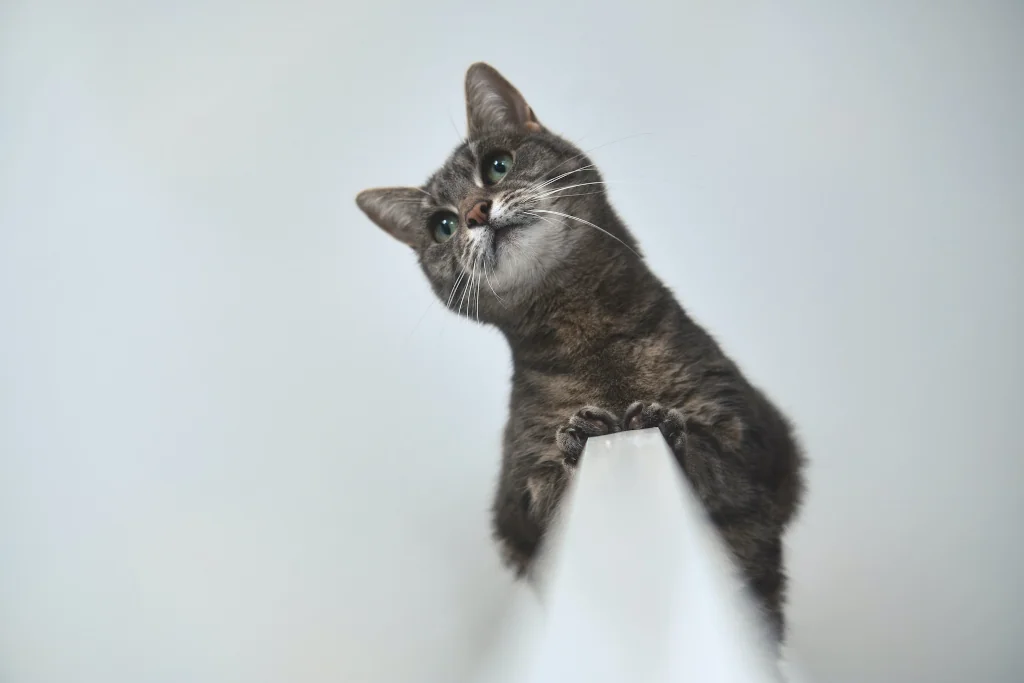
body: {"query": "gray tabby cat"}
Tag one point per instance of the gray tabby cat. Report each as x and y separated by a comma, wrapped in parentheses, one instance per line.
(516, 230)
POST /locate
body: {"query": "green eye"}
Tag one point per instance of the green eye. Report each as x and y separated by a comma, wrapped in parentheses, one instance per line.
(496, 166)
(443, 226)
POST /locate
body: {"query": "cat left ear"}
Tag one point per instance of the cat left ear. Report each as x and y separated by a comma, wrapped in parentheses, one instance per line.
(394, 209)
(492, 103)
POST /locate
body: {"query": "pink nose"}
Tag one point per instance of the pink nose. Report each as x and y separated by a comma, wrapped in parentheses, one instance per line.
(478, 214)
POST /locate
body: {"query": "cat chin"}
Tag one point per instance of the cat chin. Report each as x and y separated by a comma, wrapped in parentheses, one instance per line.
(524, 254)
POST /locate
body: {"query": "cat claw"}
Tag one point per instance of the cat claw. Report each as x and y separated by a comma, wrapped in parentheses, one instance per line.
(587, 422)
(642, 415)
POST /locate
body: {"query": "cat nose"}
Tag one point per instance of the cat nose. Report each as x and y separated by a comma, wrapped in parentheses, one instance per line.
(478, 214)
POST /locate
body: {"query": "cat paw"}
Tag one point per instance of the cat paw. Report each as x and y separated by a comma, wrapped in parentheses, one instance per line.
(587, 422)
(642, 415)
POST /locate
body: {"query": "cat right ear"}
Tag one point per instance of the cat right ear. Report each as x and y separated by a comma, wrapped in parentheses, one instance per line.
(492, 103)
(394, 209)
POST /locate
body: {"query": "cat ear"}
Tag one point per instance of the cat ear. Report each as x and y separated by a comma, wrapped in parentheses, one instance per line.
(395, 209)
(492, 103)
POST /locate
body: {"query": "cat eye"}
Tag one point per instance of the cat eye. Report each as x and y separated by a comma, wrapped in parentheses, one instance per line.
(443, 225)
(496, 166)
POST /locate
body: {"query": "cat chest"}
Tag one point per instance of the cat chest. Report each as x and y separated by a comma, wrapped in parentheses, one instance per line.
(611, 381)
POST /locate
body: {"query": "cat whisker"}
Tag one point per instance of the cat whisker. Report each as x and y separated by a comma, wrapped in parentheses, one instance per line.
(597, 147)
(467, 284)
(596, 227)
(454, 287)
(488, 278)
(559, 177)
(549, 221)
(480, 263)
(473, 257)
(569, 187)
(542, 195)
(432, 198)
(420, 320)
(459, 135)
(466, 287)
(581, 194)
(577, 156)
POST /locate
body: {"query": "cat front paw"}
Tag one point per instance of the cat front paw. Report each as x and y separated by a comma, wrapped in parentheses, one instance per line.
(587, 422)
(640, 415)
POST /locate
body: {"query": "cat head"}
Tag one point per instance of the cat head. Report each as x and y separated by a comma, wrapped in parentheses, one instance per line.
(510, 207)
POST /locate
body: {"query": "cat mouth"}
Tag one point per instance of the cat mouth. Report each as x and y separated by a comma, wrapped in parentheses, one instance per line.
(503, 234)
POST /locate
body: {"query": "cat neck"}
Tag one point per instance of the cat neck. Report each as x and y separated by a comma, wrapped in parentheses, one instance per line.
(602, 297)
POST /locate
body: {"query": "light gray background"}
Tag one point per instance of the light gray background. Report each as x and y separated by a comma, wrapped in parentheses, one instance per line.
(229, 451)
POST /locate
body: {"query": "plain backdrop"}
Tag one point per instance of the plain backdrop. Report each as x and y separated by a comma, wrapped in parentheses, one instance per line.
(238, 441)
